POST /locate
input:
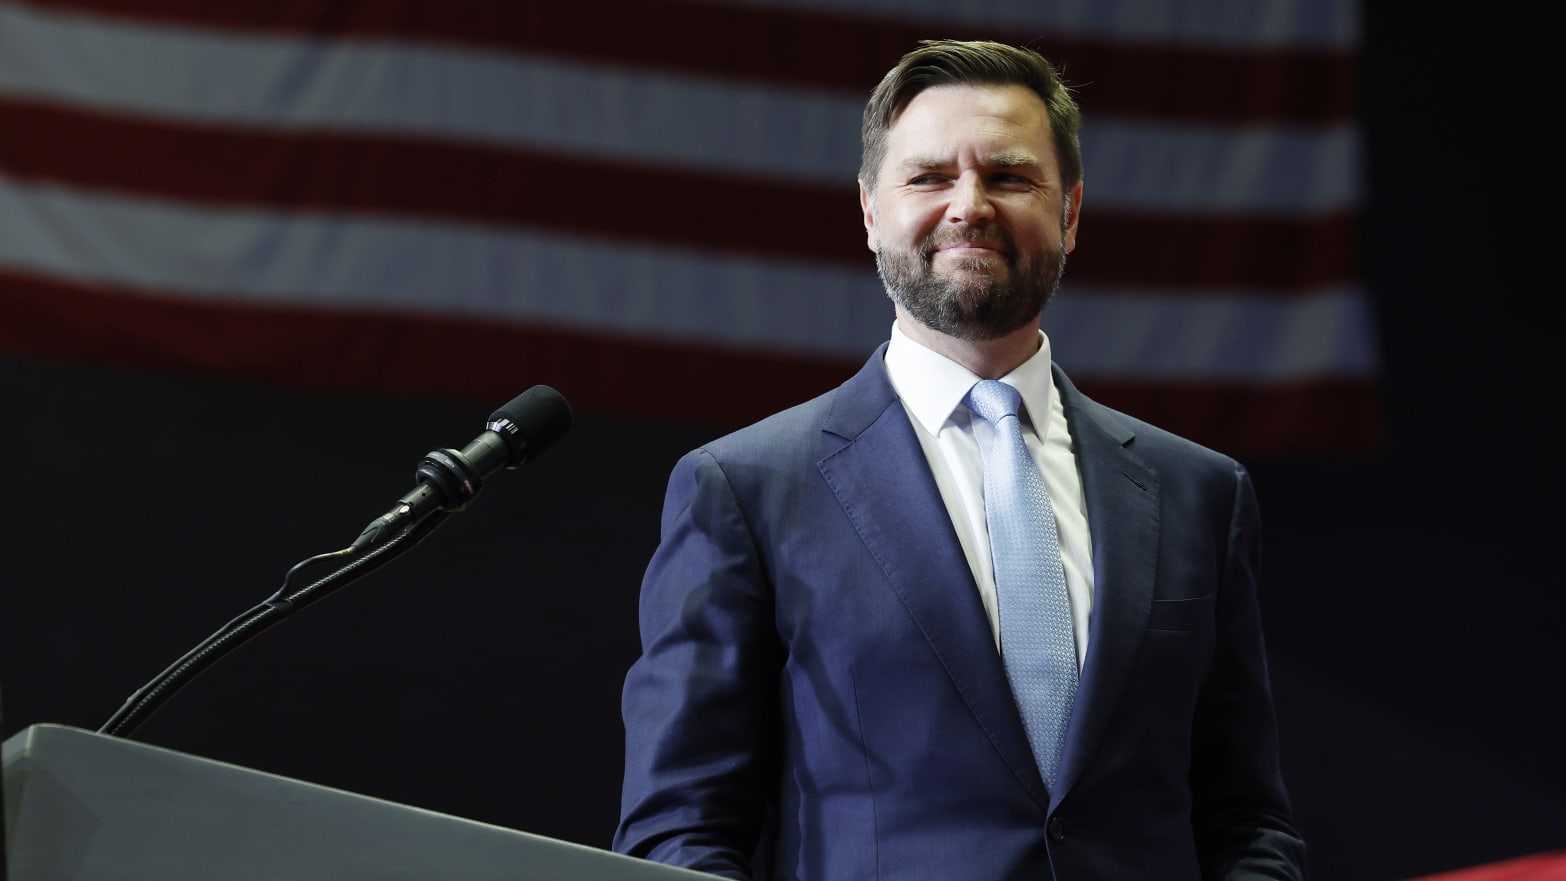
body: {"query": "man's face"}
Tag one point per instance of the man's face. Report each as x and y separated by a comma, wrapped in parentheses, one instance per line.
(969, 219)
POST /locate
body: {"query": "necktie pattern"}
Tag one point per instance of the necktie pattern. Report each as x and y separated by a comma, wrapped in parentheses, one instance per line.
(1038, 642)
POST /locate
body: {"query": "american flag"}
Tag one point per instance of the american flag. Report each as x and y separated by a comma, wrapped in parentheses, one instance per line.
(631, 199)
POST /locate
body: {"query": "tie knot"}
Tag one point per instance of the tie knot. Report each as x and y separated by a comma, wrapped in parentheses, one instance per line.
(993, 400)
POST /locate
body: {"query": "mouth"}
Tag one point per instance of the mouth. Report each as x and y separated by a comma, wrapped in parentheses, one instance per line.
(971, 247)
(967, 249)
(968, 254)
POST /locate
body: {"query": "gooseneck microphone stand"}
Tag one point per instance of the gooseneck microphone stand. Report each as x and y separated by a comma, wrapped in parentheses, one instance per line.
(140, 705)
(446, 481)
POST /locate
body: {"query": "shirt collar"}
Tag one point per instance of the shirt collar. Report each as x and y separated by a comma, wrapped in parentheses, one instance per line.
(933, 386)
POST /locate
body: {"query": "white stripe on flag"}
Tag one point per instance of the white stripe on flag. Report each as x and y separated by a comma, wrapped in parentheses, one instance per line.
(312, 260)
(620, 114)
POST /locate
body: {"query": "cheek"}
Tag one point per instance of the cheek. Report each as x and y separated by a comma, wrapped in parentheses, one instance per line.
(908, 227)
(1032, 230)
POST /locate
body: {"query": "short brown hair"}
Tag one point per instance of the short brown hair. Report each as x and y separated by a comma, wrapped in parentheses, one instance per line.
(955, 62)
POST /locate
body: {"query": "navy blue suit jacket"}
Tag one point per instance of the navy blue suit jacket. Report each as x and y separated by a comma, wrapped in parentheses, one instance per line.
(820, 696)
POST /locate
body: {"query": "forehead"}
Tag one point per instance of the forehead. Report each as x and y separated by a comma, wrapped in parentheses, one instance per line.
(946, 123)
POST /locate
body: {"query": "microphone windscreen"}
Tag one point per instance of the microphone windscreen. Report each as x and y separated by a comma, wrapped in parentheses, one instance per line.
(541, 416)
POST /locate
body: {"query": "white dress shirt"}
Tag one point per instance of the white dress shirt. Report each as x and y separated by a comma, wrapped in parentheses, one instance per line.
(955, 441)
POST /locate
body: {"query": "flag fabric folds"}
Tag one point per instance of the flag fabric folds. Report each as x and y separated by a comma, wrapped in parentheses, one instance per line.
(638, 196)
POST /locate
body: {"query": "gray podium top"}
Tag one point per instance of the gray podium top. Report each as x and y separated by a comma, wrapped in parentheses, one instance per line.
(82, 806)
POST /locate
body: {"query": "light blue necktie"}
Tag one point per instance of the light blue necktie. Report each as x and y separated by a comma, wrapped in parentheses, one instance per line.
(1038, 642)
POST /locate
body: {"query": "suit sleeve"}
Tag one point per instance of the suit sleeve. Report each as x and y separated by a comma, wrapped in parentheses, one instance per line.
(1241, 810)
(699, 705)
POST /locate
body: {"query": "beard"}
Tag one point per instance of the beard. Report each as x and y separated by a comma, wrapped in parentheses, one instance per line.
(972, 300)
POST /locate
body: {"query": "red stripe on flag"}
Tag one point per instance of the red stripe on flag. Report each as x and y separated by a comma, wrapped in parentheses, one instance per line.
(380, 352)
(411, 177)
(1300, 418)
(845, 52)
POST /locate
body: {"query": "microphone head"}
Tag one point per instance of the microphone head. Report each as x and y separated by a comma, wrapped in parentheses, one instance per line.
(531, 423)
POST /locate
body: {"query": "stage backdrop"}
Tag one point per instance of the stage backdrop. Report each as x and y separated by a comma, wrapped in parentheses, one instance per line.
(438, 197)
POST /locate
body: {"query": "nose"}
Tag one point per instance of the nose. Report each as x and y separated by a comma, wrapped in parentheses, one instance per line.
(970, 203)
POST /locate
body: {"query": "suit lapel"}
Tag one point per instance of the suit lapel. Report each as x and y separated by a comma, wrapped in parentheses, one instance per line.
(874, 465)
(1122, 502)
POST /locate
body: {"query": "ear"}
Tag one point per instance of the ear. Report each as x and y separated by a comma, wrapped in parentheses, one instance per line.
(867, 205)
(1073, 214)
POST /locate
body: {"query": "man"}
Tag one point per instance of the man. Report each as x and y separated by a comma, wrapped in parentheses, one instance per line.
(844, 675)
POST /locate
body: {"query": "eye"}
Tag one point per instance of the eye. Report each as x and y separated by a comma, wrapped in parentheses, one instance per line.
(925, 180)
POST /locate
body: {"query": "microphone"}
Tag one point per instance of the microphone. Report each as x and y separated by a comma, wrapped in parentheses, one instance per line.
(448, 479)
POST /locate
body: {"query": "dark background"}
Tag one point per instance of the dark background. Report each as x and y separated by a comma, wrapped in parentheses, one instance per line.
(1413, 617)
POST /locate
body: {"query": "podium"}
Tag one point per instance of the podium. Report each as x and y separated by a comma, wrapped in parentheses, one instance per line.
(83, 806)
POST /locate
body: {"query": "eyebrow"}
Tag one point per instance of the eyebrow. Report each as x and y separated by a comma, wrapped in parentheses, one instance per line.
(1014, 159)
(1007, 159)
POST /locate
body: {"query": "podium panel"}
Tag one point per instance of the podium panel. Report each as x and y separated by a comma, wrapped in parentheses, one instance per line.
(82, 806)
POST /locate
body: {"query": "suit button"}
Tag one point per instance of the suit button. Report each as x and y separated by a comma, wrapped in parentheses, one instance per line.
(1057, 829)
